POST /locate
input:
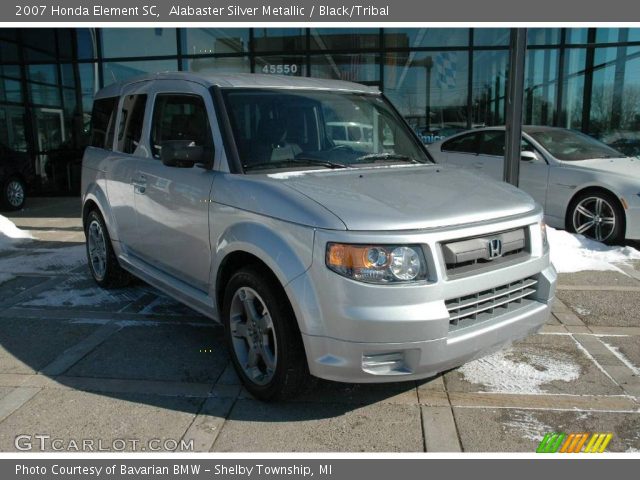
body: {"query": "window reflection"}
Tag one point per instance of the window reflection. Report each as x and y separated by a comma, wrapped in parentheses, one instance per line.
(362, 68)
(118, 71)
(541, 79)
(425, 37)
(138, 42)
(573, 88)
(490, 71)
(274, 39)
(197, 41)
(429, 90)
(344, 38)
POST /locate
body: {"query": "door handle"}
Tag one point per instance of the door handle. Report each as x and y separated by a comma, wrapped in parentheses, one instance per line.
(478, 165)
(139, 184)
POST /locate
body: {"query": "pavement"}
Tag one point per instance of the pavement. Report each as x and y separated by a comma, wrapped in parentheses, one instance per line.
(91, 370)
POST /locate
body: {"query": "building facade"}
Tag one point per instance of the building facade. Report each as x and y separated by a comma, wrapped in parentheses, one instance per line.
(441, 80)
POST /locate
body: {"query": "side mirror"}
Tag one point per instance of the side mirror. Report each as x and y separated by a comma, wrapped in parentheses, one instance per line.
(527, 156)
(181, 153)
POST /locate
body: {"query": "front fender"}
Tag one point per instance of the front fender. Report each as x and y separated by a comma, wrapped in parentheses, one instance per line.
(287, 249)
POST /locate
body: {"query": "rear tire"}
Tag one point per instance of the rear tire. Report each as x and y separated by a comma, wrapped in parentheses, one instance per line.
(598, 216)
(263, 336)
(103, 264)
(14, 194)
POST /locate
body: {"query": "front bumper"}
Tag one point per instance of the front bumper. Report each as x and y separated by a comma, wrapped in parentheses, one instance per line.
(356, 362)
(633, 222)
(357, 332)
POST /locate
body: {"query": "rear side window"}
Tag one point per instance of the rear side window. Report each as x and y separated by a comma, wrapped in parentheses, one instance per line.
(493, 143)
(103, 120)
(464, 144)
(180, 117)
(131, 121)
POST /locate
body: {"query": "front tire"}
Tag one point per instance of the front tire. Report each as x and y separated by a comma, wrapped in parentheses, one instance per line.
(598, 216)
(103, 264)
(263, 336)
(14, 194)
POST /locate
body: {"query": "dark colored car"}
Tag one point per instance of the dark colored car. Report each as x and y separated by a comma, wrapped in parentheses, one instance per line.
(16, 172)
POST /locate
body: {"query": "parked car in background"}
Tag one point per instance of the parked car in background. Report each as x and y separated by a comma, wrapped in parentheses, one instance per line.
(349, 263)
(584, 185)
(16, 173)
(352, 134)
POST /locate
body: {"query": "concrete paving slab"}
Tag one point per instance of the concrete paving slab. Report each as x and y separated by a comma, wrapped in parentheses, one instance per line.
(602, 308)
(621, 403)
(4, 391)
(627, 349)
(159, 352)
(163, 305)
(363, 393)
(515, 430)
(99, 418)
(27, 345)
(17, 285)
(440, 433)
(597, 278)
(326, 427)
(207, 425)
(540, 364)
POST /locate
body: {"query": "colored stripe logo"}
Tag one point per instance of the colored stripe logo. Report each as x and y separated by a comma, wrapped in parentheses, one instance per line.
(574, 443)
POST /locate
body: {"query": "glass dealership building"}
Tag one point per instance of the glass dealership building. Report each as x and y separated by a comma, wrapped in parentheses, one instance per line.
(441, 80)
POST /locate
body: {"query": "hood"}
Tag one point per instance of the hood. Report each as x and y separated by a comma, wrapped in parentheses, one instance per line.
(625, 166)
(408, 197)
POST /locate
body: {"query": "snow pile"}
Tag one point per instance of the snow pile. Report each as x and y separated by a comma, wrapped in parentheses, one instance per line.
(10, 234)
(576, 253)
(500, 373)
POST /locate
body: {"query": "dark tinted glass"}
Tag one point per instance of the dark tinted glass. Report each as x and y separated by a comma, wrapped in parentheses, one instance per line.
(103, 122)
(492, 143)
(464, 144)
(180, 118)
(132, 117)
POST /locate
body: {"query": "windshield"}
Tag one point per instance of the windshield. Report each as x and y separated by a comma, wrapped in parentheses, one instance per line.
(572, 146)
(285, 129)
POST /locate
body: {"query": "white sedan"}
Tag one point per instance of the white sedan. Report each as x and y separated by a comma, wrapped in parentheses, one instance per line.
(584, 185)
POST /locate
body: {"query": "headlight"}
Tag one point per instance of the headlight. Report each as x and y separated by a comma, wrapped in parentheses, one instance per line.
(543, 232)
(377, 263)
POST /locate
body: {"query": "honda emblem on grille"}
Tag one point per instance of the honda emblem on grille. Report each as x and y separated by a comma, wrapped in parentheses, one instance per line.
(495, 248)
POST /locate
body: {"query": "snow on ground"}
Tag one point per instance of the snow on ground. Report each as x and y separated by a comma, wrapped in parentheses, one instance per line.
(44, 260)
(500, 372)
(10, 234)
(527, 425)
(576, 253)
(64, 296)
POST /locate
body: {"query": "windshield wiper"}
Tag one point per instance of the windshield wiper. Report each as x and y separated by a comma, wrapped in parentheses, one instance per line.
(291, 161)
(373, 157)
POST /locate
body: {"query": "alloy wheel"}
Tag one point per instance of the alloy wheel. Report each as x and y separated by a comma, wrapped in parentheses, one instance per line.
(15, 193)
(594, 217)
(253, 336)
(97, 249)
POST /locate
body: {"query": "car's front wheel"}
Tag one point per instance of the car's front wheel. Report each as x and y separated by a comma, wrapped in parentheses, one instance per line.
(263, 337)
(103, 264)
(14, 194)
(597, 215)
